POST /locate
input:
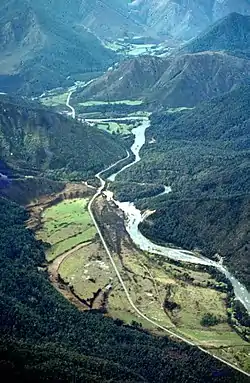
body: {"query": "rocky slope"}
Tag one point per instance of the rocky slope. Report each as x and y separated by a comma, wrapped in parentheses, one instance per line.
(185, 18)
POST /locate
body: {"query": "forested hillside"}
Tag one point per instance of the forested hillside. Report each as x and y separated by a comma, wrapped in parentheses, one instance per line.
(204, 154)
(37, 140)
(45, 338)
(42, 44)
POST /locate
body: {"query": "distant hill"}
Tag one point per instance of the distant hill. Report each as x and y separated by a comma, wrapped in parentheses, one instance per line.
(231, 34)
(109, 18)
(39, 141)
(41, 44)
(176, 81)
(185, 19)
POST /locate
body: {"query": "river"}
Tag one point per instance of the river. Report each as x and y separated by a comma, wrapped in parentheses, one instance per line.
(133, 217)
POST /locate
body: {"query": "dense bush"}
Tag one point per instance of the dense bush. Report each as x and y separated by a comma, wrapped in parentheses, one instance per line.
(209, 319)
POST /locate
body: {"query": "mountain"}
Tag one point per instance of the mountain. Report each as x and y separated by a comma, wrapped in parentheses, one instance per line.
(42, 44)
(192, 78)
(177, 81)
(204, 155)
(185, 18)
(231, 34)
(127, 80)
(40, 142)
(109, 19)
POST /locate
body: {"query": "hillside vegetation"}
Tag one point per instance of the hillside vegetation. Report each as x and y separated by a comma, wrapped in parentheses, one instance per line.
(126, 81)
(42, 142)
(42, 44)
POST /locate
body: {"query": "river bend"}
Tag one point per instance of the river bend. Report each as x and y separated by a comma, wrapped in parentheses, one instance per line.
(133, 217)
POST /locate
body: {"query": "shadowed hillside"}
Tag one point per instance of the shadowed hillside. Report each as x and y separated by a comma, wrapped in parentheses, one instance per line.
(41, 46)
(44, 142)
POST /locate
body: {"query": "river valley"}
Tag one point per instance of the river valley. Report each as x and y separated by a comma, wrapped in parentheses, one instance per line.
(120, 271)
(134, 217)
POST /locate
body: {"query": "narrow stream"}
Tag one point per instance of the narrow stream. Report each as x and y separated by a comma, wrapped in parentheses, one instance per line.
(134, 217)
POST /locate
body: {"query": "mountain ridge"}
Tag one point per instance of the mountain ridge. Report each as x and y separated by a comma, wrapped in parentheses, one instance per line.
(177, 81)
(232, 33)
(185, 19)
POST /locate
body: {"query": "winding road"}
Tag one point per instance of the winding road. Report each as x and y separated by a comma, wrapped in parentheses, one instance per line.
(73, 112)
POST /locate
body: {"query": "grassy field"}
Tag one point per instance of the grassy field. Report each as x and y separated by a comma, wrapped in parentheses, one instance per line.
(148, 284)
(55, 99)
(115, 127)
(96, 103)
(152, 283)
(66, 225)
(87, 263)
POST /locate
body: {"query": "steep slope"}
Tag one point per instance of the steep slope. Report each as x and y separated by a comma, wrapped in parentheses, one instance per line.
(185, 18)
(109, 18)
(204, 154)
(41, 46)
(40, 141)
(231, 34)
(192, 78)
(127, 80)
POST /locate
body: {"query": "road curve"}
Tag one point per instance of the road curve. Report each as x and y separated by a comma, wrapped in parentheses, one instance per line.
(98, 193)
(73, 112)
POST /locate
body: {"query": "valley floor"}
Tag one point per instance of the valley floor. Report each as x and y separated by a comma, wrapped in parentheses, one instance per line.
(171, 294)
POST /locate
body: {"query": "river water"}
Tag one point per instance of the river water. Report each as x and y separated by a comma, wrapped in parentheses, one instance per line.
(133, 217)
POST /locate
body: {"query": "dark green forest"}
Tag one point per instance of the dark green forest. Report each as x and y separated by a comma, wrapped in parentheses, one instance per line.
(45, 338)
(134, 191)
(204, 154)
